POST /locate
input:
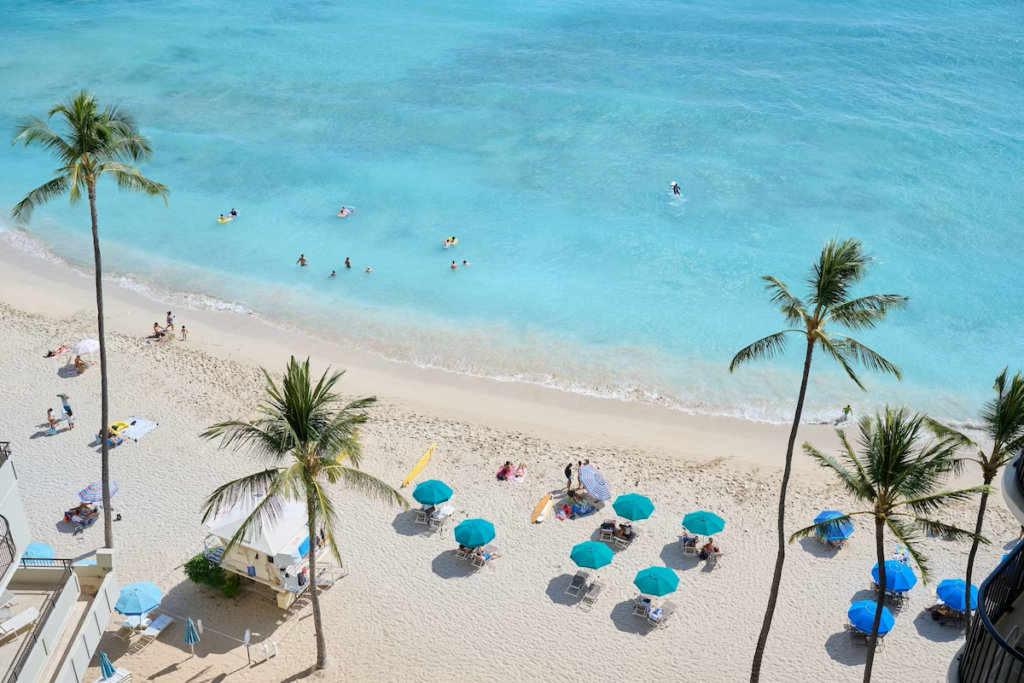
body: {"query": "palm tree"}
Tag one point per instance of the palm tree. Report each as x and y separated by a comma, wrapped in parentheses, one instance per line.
(1002, 421)
(899, 477)
(304, 436)
(92, 142)
(840, 266)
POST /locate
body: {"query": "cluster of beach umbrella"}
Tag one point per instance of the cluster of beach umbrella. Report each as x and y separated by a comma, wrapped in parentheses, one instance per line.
(471, 533)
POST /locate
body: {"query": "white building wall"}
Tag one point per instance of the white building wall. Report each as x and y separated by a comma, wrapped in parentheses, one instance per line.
(13, 511)
(87, 639)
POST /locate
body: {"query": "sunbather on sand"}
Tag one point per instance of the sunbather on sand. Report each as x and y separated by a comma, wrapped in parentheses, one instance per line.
(80, 365)
(709, 548)
(521, 470)
(505, 472)
(58, 351)
(625, 532)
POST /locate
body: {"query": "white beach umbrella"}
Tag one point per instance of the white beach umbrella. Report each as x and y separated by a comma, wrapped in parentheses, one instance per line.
(85, 346)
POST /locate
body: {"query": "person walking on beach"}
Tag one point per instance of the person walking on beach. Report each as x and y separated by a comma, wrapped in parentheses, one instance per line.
(170, 322)
(65, 401)
(348, 264)
(302, 260)
(846, 412)
(568, 479)
(52, 420)
(184, 333)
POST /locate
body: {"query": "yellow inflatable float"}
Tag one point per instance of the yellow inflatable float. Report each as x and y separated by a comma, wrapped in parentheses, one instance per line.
(116, 427)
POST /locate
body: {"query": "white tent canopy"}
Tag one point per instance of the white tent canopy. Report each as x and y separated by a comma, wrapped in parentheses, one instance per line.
(284, 535)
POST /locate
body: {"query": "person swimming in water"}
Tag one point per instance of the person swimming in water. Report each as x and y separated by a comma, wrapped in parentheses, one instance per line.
(302, 260)
(345, 211)
(333, 274)
(454, 266)
(368, 270)
(223, 218)
(233, 213)
(465, 263)
(675, 187)
(348, 264)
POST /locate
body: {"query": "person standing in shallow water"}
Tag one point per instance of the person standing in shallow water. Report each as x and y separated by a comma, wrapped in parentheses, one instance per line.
(302, 260)
(846, 412)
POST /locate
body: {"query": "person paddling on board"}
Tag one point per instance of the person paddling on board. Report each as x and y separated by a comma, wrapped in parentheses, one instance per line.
(233, 213)
(675, 187)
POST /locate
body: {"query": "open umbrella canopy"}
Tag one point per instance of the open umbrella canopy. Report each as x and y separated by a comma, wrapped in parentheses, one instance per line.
(633, 506)
(704, 523)
(591, 555)
(93, 493)
(952, 592)
(474, 533)
(837, 532)
(85, 346)
(106, 668)
(38, 551)
(138, 598)
(594, 483)
(656, 581)
(862, 616)
(432, 492)
(898, 576)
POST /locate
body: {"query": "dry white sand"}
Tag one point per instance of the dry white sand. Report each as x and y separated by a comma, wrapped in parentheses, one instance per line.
(408, 611)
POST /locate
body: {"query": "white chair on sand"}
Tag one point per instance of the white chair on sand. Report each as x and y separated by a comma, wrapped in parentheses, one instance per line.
(462, 553)
(642, 605)
(489, 553)
(607, 534)
(422, 515)
(152, 632)
(714, 559)
(591, 596)
(667, 610)
(18, 622)
(578, 583)
(130, 625)
(622, 543)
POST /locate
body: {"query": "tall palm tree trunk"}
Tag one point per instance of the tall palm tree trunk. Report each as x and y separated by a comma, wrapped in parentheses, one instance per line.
(108, 521)
(974, 551)
(314, 597)
(880, 600)
(773, 596)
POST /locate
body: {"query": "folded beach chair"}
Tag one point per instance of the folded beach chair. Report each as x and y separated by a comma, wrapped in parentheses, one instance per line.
(591, 596)
(18, 622)
(578, 583)
(642, 605)
(152, 632)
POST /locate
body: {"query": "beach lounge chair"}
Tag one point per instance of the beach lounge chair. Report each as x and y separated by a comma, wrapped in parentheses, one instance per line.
(667, 610)
(578, 583)
(462, 553)
(689, 550)
(606, 534)
(591, 596)
(18, 622)
(490, 551)
(622, 543)
(714, 559)
(131, 625)
(642, 605)
(440, 518)
(152, 632)
(422, 515)
(7, 598)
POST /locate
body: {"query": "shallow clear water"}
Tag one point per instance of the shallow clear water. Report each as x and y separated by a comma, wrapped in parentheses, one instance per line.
(544, 135)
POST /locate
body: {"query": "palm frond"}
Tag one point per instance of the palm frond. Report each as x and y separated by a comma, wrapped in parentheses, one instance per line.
(790, 306)
(828, 526)
(130, 180)
(867, 311)
(51, 189)
(868, 358)
(837, 351)
(33, 130)
(943, 431)
(259, 438)
(366, 484)
(839, 266)
(1003, 416)
(854, 482)
(909, 535)
(936, 501)
(763, 349)
(327, 515)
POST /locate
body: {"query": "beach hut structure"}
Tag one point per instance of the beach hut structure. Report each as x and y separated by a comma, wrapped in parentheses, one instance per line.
(274, 555)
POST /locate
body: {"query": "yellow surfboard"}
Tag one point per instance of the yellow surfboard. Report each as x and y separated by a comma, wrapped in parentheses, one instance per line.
(419, 466)
(541, 510)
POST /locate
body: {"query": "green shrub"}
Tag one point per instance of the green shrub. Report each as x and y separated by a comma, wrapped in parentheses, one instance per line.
(200, 570)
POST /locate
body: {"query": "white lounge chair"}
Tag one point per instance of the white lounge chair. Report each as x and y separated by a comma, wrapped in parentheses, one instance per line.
(607, 535)
(152, 632)
(667, 610)
(490, 551)
(18, 622)
(422, 515)
(8, 598)
(622, 543)
(591, 596)
(130, 625)
(578, 583)
(714, 559)
(642, 605)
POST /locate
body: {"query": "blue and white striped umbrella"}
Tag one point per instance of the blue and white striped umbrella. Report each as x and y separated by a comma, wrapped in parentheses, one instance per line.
(594, 483)
(93, 493)
(191, 635)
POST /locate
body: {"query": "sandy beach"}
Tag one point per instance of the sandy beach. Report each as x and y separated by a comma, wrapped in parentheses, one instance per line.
(407, 611)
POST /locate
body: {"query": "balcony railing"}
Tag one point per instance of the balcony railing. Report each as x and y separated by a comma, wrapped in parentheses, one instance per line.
(989, 656)
(44, 612)
(5, 452)
(8, 553)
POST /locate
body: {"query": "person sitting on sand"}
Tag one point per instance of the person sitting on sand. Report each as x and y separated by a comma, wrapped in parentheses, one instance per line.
(58, 351)
(80, 364)
(521, 470)
(709, 548)
(505, 472)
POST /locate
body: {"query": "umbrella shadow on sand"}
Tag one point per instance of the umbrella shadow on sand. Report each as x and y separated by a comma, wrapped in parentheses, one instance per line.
(447, 566)
(67, 372)
(841, 649)
(672, 556)
(556, 591)
(933, 631)
(624, 619)
(405, 524)
(817, 548)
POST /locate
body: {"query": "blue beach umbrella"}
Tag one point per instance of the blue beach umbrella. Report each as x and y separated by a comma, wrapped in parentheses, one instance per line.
(106, 668)
(594, 483)
(951, 592)
(704, 523)
(633, 506)
(656, 581)
(432, 492)
(93, 493)
(191, 635)
(898, 576)
(474, 533)
(138, 598)
(591, 555)
(38, 551)
(841, 530)
(862, 616)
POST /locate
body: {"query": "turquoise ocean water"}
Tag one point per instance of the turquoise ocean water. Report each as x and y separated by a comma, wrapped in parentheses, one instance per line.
(544, 134)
